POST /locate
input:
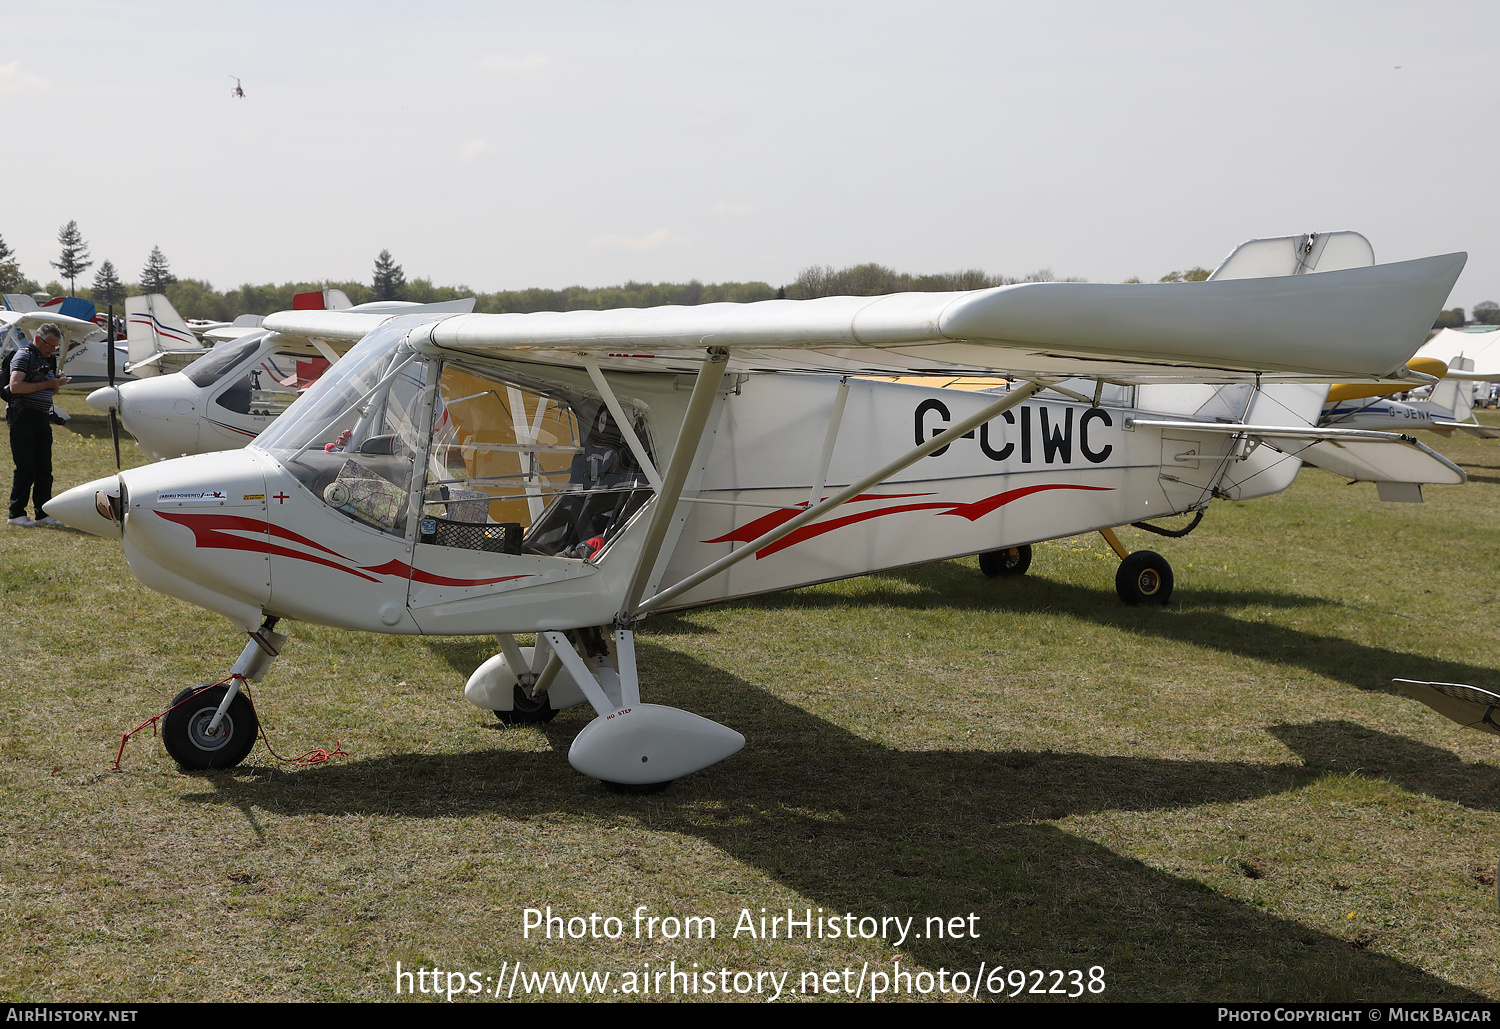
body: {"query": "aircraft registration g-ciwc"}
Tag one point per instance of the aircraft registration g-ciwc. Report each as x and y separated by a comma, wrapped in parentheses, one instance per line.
(569, 474)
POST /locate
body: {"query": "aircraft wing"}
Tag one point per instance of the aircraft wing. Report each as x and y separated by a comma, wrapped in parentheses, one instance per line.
(1356, 323)
(75, 329)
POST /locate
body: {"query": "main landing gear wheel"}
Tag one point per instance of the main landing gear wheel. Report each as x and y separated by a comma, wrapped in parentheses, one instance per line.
(1011, 561)
(1144, 578)
(184, 731)
(527, 710)
(637, 789)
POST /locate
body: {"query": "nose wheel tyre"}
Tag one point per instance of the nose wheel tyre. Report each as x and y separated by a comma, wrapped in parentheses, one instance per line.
(1011, 561)
(527, 710)
(1144, 578)
(184, 731)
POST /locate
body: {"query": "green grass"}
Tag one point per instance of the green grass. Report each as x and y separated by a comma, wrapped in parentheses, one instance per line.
(1224, 799)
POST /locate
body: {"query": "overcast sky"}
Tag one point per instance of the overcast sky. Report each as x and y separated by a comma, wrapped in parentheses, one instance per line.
(504, 145)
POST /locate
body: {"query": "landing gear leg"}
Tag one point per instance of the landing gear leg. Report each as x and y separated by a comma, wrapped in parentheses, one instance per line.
(1143, 577)
(635, 747)
(215, 727)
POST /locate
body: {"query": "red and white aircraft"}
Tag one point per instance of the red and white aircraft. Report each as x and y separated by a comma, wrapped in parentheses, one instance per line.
(569, 474)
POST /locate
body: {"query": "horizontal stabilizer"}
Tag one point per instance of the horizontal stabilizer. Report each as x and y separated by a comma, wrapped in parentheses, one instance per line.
(1473, 429)
(1361, 454)
(1469, 706)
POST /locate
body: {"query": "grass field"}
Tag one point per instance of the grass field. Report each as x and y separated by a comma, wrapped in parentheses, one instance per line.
(1224, 799)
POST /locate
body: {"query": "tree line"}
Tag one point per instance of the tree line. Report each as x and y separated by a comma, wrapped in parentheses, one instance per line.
(196, 298)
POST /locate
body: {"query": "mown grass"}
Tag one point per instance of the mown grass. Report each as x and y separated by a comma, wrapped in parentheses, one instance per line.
(1222, 799)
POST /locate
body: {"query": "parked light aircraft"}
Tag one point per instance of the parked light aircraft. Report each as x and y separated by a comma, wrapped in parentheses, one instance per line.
(1447, 408)
(569, 474)
(226, 399)
(83, 356)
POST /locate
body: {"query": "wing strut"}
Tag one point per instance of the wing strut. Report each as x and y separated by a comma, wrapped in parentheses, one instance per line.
(829, 438)
(684, 451)
(911, 457)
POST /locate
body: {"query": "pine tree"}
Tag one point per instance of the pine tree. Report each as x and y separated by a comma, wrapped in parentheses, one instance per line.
(390, 281)
(10, 270)
(74, 259)
(107, 288)
(156, 276)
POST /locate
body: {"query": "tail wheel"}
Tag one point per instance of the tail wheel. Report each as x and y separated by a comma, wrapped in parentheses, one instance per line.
(184, 730)
(1144, 578)
(1011, 561)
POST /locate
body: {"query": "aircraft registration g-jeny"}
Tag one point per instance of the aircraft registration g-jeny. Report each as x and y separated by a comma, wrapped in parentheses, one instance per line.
(569, 474)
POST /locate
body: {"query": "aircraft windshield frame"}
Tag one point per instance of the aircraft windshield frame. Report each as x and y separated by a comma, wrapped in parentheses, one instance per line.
(226, 357)
(352, 438)
(356, 373)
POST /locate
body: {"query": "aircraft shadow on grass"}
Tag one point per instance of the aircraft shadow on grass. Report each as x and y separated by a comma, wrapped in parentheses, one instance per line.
(1415, 767)
(951, 585)
(856, 826)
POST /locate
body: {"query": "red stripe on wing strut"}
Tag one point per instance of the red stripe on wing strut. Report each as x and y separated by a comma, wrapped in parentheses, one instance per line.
(753, 530)
(214, 532)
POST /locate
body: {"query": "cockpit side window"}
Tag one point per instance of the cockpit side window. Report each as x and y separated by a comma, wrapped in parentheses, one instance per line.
(271, 383)
(525, 466)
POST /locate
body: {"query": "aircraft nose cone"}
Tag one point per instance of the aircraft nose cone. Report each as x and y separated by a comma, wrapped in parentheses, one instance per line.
(78, 508)
(102, 400)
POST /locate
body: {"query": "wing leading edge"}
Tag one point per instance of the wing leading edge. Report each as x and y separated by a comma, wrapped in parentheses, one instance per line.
(1357, 323)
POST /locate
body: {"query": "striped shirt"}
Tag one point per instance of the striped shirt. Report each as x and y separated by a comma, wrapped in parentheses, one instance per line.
(35, 368)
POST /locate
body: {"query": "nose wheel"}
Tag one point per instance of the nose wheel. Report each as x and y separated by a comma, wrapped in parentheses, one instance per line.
(186, 735)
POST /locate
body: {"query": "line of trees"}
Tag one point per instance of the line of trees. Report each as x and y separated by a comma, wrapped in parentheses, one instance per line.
(196, 298)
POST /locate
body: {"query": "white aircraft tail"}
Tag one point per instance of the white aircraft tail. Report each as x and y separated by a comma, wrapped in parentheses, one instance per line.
(1296, 255)
(1456, 395)
(160, 341)
(322, 300)
(1280, 419)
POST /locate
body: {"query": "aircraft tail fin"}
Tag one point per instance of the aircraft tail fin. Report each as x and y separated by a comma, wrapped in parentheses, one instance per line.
(322, 300)
(1456, 395)
(160, 341)
(1296, 255)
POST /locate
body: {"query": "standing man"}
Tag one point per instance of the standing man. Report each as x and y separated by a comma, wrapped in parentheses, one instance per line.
(33, 382)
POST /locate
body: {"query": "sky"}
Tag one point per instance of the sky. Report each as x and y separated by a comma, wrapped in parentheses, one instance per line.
(507, 145)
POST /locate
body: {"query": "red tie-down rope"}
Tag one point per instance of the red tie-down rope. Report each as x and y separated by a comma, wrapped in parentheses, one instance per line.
(316, 756)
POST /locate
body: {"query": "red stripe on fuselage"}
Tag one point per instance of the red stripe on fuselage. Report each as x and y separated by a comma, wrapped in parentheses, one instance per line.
(405, 570)
(973, 512)
(213, 532)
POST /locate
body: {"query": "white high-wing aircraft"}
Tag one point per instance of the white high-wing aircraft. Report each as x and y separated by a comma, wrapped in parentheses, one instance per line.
(1448, 407)
(84, 354)
(570, 474)
(226, 398)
